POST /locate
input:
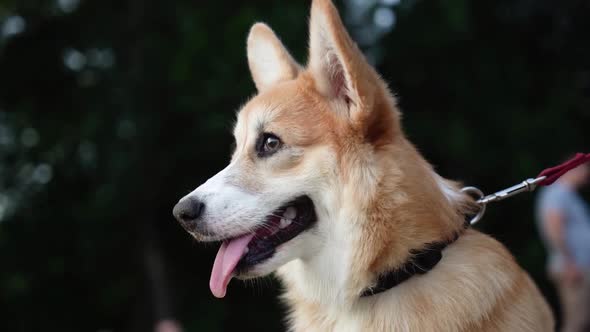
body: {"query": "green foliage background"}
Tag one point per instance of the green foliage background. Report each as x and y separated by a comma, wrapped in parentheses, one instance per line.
(492, 92)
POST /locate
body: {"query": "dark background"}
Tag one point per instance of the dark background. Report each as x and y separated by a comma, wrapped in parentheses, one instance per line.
(112, 110)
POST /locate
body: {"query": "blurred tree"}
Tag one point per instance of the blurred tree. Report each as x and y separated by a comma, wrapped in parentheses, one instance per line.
(112, 110)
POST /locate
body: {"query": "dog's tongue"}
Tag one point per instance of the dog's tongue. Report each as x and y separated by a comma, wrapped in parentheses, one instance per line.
(227, 258)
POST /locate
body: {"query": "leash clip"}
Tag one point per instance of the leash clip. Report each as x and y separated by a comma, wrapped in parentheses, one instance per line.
(527, 185)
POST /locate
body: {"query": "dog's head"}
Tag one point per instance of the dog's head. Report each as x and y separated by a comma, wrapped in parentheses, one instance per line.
(310, 148)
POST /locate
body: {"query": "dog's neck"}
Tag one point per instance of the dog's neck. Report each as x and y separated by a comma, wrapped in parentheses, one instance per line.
(385, 223)
(422, 261)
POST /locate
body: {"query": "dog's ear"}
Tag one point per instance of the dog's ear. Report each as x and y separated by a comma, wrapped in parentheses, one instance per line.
(269, 61)
(341, 71)
(334, 58)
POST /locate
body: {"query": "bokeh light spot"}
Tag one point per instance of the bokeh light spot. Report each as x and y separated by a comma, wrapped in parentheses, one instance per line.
(42, 173)
(390, 2)
(29, 137)
(13, 25)
(68, 6)
(101, 58)
(384, 18)
(74, 59)
(126, 129)
(87, 153)
(6, 136)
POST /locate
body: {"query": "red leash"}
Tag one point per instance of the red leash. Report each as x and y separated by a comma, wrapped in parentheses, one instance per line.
(554, 173)
(546, 177)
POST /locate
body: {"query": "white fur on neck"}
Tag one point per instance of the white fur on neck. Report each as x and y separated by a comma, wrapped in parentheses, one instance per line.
(453, 195)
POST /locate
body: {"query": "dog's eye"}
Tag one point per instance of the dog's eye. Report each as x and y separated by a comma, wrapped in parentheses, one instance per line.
(268, 144)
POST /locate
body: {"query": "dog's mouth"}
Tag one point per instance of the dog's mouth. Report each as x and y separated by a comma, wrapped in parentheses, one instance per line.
(239, 254)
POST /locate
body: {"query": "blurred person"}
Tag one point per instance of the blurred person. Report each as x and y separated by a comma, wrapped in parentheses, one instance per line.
(564, 222)
(168, 325)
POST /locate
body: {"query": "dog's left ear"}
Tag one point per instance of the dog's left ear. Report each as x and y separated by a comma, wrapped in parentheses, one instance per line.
(341, 72)
(269, 61)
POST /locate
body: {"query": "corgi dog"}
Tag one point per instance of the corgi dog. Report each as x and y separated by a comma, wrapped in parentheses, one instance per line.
(324, 190)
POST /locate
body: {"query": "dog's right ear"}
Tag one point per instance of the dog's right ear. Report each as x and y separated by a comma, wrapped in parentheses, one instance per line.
(269, 61)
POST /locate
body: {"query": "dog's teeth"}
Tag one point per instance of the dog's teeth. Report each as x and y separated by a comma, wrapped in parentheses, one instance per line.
(284, 223)
(290, 213)
(246, 250)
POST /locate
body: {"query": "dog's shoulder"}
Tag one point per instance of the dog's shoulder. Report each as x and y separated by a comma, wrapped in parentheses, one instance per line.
(478, 285)
(508, 299)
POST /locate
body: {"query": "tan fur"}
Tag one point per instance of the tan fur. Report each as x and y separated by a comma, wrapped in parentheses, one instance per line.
(477, 287)
(376, 199)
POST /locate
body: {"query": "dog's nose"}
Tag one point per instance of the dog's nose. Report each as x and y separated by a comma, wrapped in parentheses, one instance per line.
(188, 210)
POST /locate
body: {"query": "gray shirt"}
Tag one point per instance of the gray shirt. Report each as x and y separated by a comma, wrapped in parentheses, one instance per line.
(576, 214)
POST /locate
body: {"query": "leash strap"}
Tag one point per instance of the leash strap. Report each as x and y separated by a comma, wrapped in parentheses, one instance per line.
(546, 177)
(554, 173)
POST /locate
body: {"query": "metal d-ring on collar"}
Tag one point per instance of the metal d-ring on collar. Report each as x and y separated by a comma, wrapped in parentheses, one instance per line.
(482, 200)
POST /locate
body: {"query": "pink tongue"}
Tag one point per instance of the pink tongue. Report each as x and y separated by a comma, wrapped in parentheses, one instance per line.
(226, 260)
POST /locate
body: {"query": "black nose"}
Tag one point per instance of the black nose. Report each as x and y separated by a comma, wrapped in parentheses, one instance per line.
(188, 210)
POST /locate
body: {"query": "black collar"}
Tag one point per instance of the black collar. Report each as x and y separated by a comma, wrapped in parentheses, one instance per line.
(421, 261)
